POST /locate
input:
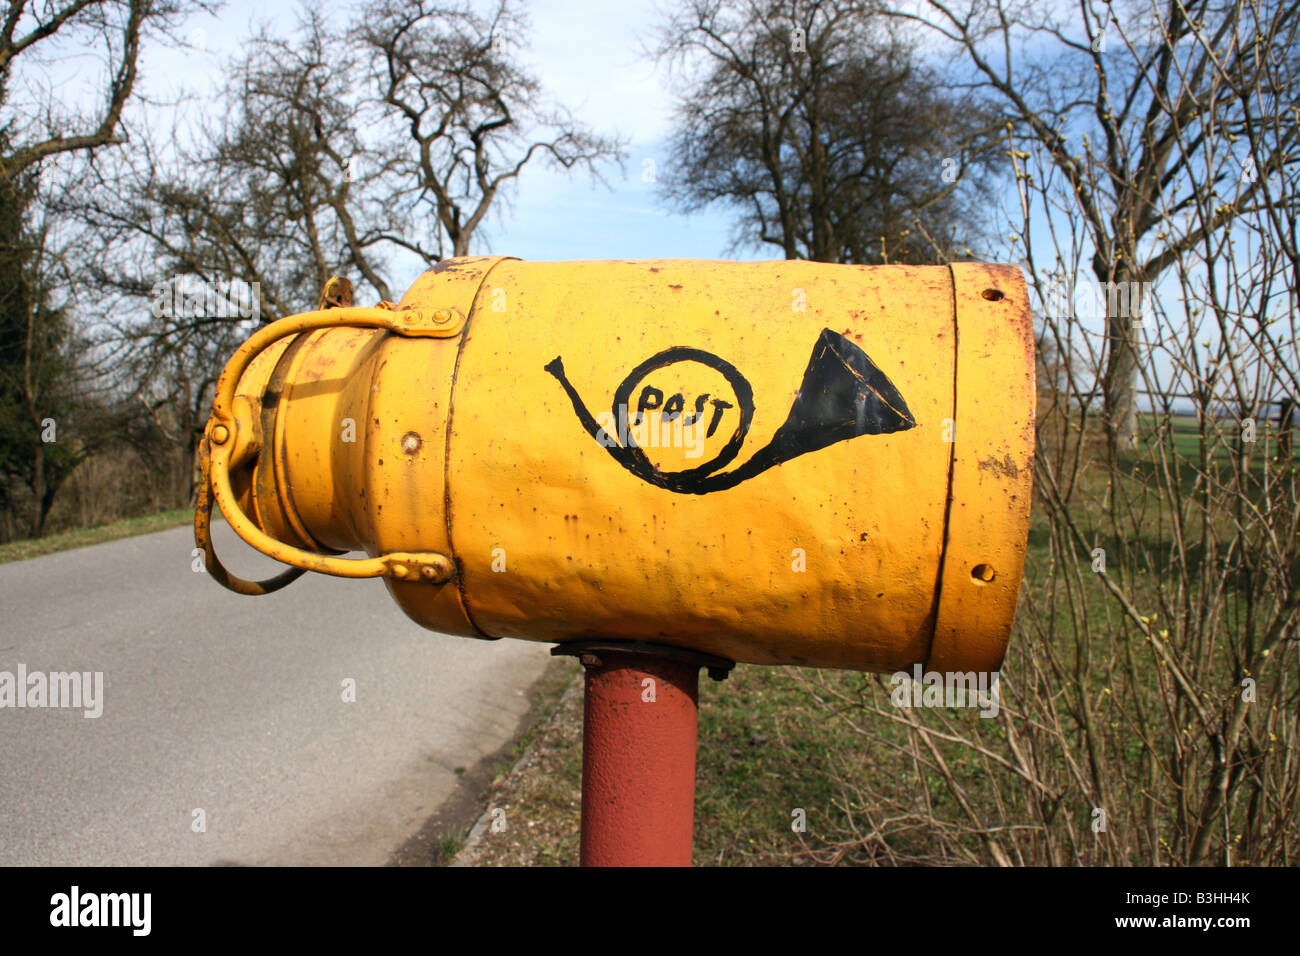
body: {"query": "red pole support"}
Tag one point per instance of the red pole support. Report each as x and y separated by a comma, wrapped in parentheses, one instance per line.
(638, 751)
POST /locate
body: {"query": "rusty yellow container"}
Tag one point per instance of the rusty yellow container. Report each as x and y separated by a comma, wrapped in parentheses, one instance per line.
(778, 462)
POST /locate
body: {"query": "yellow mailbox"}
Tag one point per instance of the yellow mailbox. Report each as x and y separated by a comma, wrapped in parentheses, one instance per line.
(777, 462)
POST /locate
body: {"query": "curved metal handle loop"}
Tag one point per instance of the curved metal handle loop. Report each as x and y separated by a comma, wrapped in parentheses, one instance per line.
(220, 441)
(203, 538)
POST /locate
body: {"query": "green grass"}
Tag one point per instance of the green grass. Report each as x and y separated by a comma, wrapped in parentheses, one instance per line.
(449, 844)
(781, 775)
(80, 537)
(1187, 439)
(545, 698)
(764, 753)
(1224, 436)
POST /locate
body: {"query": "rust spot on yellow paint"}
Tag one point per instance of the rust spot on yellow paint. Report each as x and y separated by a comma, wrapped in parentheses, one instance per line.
(1004, 468)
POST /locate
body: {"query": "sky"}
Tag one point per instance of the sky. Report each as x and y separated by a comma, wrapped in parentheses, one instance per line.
(587, 54)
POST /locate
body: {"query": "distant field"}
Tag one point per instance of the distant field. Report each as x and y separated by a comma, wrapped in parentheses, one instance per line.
(1225, 435)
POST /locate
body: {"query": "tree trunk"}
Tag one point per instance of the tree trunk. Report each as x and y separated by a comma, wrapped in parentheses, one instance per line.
(44, 505)
(1123, 301)
(1120, 388)
(192, 467)
(38, 492)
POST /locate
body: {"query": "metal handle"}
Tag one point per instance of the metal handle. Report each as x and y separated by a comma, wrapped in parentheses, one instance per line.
(223, 431)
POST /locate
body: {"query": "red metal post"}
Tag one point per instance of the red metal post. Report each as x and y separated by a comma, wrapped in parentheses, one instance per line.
(638, 751)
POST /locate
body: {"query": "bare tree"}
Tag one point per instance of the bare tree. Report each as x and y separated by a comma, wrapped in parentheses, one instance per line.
(472, 117)
(1132, 101)
(823, 130)
(28, 27)
(281, 191)
(48, 424)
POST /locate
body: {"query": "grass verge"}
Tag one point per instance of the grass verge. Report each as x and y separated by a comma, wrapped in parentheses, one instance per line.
(80, 537)
(534, 804)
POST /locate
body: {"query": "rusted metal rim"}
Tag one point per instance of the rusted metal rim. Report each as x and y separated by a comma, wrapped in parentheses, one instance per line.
(718, 667)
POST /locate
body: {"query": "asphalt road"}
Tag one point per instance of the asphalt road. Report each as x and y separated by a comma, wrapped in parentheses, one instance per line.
(234, 706)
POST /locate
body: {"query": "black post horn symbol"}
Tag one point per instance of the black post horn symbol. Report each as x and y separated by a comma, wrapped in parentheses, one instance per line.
(843, 395)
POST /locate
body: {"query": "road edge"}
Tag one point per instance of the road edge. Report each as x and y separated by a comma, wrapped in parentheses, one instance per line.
(521, 766)
(463, 811)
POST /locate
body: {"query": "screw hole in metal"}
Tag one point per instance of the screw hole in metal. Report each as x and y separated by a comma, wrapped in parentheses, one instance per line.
(994, 295)
(983, 573)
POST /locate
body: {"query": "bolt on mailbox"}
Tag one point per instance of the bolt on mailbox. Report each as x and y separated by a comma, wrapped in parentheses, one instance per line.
(772, 463)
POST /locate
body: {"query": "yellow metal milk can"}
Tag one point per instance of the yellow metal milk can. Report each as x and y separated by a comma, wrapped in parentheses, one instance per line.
(776, 462)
